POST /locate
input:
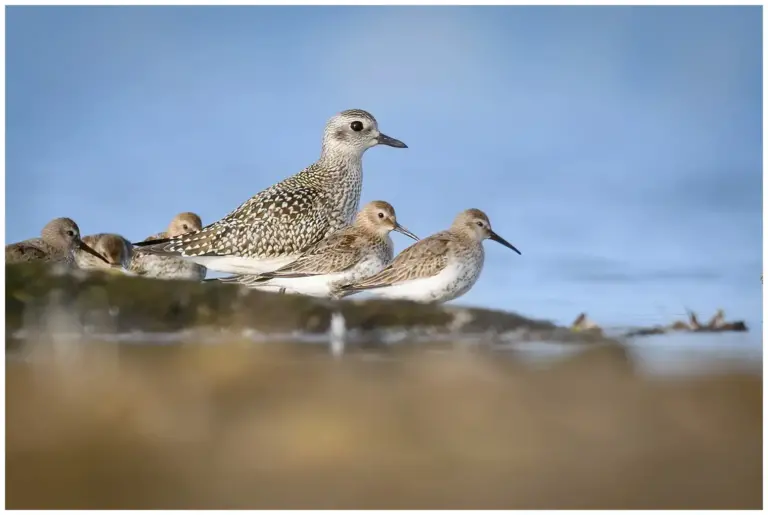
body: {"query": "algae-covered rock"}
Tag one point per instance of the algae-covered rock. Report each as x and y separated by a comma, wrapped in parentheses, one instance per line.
(151, 305)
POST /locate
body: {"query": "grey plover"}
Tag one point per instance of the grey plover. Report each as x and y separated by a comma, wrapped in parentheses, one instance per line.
(272, 228)
(148, 264)
(348, 255)
(439, 268)
(115, 250)
(57, 244)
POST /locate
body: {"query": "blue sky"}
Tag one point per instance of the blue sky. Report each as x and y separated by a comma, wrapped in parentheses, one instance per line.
(619, 148)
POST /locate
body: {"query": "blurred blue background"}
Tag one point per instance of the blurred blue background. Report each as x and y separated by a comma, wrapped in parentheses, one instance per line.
(619, 148)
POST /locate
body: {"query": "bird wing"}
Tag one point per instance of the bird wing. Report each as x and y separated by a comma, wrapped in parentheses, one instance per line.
(24, 251)
(90, 239)
(257, 228)
(425, 258)
(157, 236)
(337, 253)
(138, 262)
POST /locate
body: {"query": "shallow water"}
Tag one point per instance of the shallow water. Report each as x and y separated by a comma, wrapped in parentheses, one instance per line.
(659, 355)
(223, 418)
(697, 352)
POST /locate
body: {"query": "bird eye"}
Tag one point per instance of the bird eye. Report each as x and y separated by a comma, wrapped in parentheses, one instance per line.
(356, 126)
(185, 227)
(479, 224)
(381, 215)
(70, 233)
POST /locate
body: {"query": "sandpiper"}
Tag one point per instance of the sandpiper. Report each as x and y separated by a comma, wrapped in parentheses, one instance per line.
(348, 255)
(57, 243)
(679, 325)
(147, 264)
(693, 320)
(717, 321)
(115, 250)
(439, 268)
(272, 228)
(583, 323)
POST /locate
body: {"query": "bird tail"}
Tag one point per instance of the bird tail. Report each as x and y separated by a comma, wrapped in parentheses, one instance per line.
(241, 279)
(345, 290)
(363, 286)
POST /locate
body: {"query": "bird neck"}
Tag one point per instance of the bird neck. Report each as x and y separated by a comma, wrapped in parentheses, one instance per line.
(468, 240)
(389, 243)
(372, 231)
(69, 253)
(340, 159)
(341, 173)
(465, 234)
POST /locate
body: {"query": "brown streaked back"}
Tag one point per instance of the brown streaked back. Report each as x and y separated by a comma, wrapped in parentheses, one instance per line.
(425, 258)
(25, 252)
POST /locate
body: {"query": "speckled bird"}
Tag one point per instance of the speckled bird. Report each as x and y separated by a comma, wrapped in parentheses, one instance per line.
(115, 250)
(57, 244)
(272, 228)
(350, 254)
(148, 264)
(439, 268)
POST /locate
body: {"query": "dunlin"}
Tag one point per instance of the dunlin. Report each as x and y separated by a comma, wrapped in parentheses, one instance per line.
(114, 249)
(57, 244)
(348, 255)
(148, 264)
(439, 268)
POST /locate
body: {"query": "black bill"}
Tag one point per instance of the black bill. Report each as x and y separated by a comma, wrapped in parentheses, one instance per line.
(402, 230)
(84, 247)
(383, 139)
(495, 237)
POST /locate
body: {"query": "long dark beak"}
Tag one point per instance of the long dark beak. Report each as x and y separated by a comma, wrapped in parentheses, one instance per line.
(83, 246)
(495, 237)
(383, 139)
(402, 230)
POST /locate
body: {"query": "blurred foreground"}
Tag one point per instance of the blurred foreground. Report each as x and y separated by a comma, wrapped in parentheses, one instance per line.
(250, 426)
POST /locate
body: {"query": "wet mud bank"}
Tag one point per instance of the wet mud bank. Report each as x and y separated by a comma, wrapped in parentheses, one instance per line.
(122, 304)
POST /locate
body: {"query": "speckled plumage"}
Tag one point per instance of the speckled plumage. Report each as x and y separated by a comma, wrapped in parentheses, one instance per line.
(349, 254)
(116, 250)
(147, 264)
(59, 239)
(273, 227)
(439, 268)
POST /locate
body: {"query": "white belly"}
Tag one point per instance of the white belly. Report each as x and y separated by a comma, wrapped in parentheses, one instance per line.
(323, 285)
(315, 286)
(240, 265)
(452, 282)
